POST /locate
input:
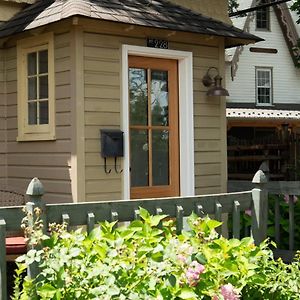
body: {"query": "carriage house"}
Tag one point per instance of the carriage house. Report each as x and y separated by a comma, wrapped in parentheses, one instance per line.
(103, 99)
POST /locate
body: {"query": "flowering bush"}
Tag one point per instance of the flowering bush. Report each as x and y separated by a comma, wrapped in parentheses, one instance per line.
(142, 261)
(284, 220)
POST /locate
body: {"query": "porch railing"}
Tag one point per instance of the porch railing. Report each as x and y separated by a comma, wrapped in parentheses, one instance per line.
(76, 214)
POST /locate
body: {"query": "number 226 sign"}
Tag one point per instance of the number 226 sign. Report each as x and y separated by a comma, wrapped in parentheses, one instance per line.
(156, 43)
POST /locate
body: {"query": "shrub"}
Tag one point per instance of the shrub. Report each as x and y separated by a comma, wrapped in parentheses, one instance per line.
(142, 261)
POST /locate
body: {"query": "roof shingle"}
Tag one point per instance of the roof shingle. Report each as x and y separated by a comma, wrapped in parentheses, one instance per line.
(156, 13)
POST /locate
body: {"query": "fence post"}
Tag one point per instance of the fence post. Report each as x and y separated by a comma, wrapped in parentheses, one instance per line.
(259, 207)
(3, 271)
(35, 191)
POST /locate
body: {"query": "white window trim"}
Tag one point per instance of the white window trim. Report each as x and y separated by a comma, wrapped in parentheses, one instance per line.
(28, 132)
(271, 85)
(186, 115)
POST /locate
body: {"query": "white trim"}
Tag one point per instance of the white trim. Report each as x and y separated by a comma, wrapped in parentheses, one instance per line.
(186, 114)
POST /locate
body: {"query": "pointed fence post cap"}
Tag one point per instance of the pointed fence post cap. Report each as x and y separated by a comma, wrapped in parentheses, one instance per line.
(35, 188)
(259, 177)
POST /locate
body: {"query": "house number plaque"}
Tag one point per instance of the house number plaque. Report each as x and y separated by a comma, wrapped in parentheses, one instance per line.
(157, 43)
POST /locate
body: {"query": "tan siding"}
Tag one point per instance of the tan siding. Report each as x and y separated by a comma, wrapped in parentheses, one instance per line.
(102, 110)
(47, 160)
(2, 122)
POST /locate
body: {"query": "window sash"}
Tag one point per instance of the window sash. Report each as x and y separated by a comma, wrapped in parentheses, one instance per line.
(37, 65)
(264, 86)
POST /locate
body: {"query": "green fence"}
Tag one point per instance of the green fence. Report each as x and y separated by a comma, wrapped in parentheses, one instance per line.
(89, 214)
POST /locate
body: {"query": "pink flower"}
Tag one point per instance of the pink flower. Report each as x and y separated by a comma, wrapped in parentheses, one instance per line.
(182, 258)
(287, 198)
(193, 273)
(228, 292)
(248, 212)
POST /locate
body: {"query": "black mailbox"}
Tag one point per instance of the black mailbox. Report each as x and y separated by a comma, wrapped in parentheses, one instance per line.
(112, 143)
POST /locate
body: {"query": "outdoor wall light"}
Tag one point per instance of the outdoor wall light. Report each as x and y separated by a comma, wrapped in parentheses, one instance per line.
(214, 83)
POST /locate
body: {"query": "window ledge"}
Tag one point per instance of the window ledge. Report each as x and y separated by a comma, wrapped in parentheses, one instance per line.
(265, 105)
(35, 137)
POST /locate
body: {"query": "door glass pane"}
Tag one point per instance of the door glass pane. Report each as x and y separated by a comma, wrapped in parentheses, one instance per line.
(32, 88)
(160, 157)
(43, 112)
(43, 81)
(32, 113)
(159, 98)
(31, 64)
(138, 96)
(43, 61)
(139, 150)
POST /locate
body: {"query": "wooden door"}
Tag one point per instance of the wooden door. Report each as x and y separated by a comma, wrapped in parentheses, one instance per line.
(153, 124)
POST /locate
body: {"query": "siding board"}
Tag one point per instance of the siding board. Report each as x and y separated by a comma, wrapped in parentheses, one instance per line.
(48, 160)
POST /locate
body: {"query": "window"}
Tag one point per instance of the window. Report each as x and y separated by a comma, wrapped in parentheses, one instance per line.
(36, 88)
(263, 16)
(263, 86)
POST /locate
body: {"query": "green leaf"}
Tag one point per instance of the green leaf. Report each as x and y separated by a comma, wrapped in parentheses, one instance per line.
(172, 280)
(47, 291)
(144, 214)
(187, 293)
(155, 220)
(213, 224)
(201, 258)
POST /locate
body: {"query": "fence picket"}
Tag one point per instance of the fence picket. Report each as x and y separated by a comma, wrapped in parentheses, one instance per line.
(159, 211)
(236, 222)
(277, 221)
(66, 219)
(291, 223)
(90, 222)
(3, 275)
(199, 210)
(179, 218)
(137, 215)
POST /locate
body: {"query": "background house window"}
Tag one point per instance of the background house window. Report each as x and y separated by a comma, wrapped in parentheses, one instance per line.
(264, 85)
(36, 88)
(263, 16)
(37, 82)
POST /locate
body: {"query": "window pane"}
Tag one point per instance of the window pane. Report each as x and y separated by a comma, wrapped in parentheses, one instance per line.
(43, 61)
(43, 81)
(32, 113)
(43, 117)
(159, 98)
(138, 96)
(160, 157)
(263, 95)
(32, 88)
(139, 158)
(31, 64)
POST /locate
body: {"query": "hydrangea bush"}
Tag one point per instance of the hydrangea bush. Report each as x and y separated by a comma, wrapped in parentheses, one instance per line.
(146, 261)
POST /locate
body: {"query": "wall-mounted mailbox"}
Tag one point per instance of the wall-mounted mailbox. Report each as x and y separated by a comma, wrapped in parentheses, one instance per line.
(112, 143)
(111, 146)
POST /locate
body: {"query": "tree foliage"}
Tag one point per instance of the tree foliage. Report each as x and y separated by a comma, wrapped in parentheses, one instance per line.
(296, 8)
(232, 6)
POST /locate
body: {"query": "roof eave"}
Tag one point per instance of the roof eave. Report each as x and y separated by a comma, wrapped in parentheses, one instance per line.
(231, 42)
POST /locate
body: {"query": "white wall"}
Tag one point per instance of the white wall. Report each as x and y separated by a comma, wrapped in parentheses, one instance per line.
(286, 78)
